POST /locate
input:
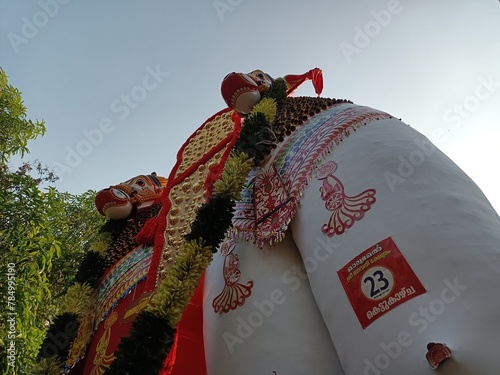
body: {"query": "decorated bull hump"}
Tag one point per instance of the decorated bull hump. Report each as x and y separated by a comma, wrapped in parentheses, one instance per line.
(273, 192)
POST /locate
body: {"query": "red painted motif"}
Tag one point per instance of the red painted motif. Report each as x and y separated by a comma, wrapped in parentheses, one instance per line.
(272, 203)
(346, 210)
(234, 294)
(437, 353)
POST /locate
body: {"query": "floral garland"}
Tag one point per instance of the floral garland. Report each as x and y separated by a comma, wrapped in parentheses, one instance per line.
(144, 352)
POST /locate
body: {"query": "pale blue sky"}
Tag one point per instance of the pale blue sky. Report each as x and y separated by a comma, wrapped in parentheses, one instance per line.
(149, 72)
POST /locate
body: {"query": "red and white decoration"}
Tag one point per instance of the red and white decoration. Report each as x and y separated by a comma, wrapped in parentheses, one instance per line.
(234, 294)
(346, 210)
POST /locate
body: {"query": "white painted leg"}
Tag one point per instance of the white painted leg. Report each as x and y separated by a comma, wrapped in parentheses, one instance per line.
(278, 329)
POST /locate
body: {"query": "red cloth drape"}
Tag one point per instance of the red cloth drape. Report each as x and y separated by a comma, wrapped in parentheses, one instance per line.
(293, 81)
(188, 355)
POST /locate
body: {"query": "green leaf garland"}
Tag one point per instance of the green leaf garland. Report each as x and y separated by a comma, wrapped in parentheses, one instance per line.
(60, 335)
(143, 351)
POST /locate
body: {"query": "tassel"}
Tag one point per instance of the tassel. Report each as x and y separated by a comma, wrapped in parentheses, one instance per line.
(168, 365)
(213, 175)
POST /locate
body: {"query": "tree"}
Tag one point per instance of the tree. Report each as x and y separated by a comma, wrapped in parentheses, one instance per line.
(16, 130)
(43, 236)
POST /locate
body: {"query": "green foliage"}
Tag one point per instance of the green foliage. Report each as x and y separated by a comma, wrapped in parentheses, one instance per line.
(277, 90)
(15, 129)
(256, 138)
(77, 224)
(44, 234)
(48, 366)
(43, 237)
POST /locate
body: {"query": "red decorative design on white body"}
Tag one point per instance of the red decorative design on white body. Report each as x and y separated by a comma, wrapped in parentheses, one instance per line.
(346, 210)
(233, 294)
(437, 353)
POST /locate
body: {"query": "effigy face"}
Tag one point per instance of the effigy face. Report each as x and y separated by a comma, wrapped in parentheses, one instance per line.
(263, 80)
(240, 92)
(120, 201)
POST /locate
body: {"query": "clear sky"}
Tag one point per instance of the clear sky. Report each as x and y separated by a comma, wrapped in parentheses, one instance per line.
(122, 84)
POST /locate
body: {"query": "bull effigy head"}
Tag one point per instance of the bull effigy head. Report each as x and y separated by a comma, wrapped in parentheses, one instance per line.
(122, 201)
(242, 92)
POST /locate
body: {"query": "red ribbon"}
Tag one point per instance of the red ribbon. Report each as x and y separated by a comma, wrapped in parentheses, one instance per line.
(293, 81)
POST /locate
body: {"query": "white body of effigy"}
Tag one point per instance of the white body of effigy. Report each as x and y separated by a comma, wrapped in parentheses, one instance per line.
(358, 248)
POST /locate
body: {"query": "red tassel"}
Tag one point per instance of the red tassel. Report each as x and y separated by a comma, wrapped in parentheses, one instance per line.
(147, 233)
(236, 118)
(213, 175)
(293, 81)
(168, 364)
(187, 355)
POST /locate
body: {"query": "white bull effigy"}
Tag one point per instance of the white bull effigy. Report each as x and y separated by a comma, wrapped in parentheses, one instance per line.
(344, 242)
